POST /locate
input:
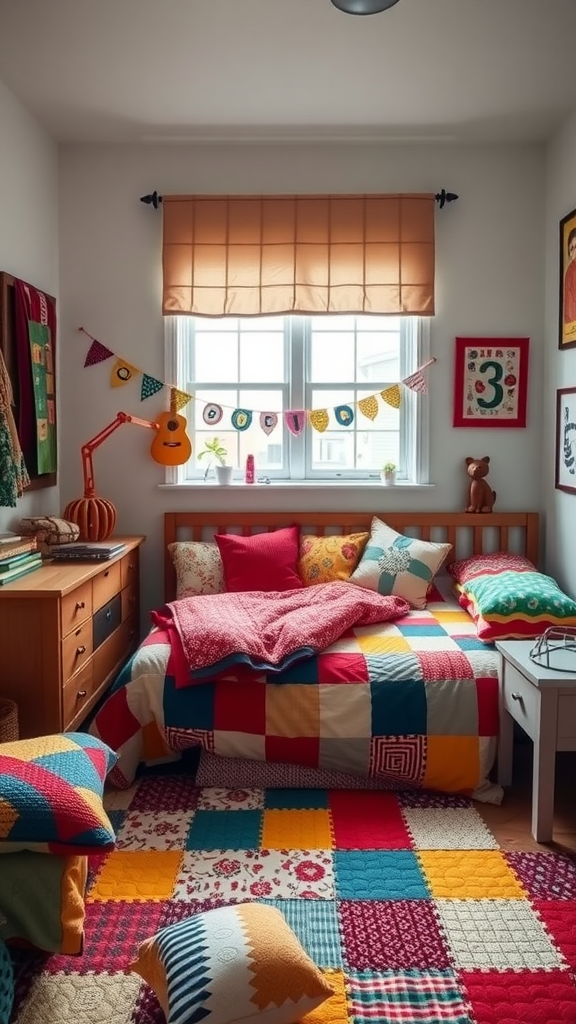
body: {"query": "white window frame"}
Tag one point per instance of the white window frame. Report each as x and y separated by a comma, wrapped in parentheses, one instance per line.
(414, 409)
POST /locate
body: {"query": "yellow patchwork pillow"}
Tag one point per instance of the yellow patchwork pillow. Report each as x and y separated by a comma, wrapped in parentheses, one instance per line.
(237, 963)
(326, 559)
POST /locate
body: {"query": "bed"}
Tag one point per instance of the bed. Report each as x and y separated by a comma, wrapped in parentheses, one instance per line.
(407, 703)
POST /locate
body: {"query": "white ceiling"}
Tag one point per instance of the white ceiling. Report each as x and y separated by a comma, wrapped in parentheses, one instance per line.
(225, 70)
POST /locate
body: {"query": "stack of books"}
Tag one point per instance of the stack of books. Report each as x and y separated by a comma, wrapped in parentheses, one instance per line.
(18, 556)
(99, 550)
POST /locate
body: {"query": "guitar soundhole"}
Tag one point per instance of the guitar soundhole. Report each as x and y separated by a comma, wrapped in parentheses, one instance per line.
(172, 425)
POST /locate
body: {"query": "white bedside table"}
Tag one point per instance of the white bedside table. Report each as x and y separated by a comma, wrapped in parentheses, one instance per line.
(543, 702)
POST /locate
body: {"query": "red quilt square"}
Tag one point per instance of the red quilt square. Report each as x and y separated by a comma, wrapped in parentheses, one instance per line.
(304, 750)
(392, 935)
(488, 714)
(342, 668)
(113, 931)
(559, 916)
(368, 820)
(240, 708)
(520, 997)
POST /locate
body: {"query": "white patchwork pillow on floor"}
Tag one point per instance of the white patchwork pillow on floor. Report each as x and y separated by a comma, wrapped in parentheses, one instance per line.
(400, 566)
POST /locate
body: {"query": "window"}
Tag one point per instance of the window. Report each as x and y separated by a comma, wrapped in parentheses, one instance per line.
(275, 364)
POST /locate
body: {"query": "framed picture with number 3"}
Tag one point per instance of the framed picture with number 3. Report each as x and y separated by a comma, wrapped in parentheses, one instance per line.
(491, 382)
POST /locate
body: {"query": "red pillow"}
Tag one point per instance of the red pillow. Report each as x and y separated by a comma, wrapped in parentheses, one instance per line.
(479, 565)
(264, 561)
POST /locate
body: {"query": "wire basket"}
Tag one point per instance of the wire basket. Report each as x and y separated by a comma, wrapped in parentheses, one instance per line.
(8, 720)
(556, 649)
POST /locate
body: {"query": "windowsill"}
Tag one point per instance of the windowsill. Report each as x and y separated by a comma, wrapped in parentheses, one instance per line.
(300, 485)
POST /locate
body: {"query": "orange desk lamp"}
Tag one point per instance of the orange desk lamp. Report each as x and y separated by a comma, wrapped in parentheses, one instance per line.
(96, 516)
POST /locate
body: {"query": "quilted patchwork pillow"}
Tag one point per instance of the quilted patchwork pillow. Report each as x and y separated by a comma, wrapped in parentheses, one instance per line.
(51, 794)
(199, 568)
(515, 605)
(325, 559)
(237, 963)
(478, 565)
(42, 899)
(396, 565)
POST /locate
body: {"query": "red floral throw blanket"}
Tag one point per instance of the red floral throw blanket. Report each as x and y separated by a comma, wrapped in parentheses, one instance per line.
(268, 631)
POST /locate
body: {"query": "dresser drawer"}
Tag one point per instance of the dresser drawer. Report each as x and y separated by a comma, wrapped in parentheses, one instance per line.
(116, 648)
(106, 620)
(76, 607)
(77, 692)
(129, 568)
(76, 649)
(521, 699)
(130, 600)
(105, 585)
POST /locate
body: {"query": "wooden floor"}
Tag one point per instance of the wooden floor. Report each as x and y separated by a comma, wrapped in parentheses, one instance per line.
(510, 823)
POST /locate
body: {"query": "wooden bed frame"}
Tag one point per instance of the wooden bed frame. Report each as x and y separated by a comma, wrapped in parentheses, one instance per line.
(469, 534)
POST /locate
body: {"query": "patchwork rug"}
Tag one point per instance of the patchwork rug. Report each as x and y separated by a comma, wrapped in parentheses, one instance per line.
(404, 899)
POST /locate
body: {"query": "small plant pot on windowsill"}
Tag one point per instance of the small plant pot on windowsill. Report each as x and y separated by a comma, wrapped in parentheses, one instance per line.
(388, 477)
(224, 475)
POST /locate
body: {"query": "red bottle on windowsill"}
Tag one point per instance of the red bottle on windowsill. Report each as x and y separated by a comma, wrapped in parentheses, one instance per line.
(249, 473)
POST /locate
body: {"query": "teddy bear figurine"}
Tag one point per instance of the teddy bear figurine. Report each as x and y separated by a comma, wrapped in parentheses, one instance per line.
(482, 497)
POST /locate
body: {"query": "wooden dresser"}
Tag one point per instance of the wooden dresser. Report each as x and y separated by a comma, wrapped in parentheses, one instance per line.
(65, 630)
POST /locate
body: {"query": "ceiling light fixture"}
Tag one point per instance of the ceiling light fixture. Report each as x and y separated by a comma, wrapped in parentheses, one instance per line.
(363, 6)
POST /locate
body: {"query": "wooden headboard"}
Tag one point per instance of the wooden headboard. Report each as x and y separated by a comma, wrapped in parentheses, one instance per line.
(469, 534)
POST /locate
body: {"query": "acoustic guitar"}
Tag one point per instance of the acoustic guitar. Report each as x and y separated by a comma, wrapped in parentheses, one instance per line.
(171, 446)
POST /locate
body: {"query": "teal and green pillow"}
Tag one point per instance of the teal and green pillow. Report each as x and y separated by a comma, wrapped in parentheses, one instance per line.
(51, 795)
(513, 605)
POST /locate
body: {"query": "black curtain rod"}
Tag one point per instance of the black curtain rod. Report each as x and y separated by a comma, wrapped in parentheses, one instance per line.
(443, 197)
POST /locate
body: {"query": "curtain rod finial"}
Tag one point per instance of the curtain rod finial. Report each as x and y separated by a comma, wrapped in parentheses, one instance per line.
(444, 197)
(152, 199)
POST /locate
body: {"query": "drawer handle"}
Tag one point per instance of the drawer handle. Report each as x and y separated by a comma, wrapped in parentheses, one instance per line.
(131, 566)
(80, 605)
(81, 693)
(80, 650)
(107, 573)
(109, 614)
(516, 696)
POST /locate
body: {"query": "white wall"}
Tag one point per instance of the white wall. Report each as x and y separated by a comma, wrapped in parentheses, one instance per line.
(490, 281)
(559, 366)
(28, 235)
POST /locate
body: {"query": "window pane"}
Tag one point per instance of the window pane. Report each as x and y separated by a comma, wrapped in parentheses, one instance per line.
(332, 356)
(378, 357)
(262, 357)
(363, 447)
(267, 449)
(216, 356)
(333, 451)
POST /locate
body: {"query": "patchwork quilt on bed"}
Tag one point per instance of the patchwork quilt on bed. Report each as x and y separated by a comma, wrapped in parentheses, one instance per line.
(414, 700)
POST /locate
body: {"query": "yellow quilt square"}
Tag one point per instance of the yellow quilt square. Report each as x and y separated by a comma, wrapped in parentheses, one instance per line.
(297, 830)
(138, 875)
(383, 644)
(452, 763)
(334, 1010)
(469, 875)
(451, 615)
(292, 710)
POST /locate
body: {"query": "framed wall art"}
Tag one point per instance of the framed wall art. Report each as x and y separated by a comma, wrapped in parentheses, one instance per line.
(491, 382)
(566, 440)
(567, 304)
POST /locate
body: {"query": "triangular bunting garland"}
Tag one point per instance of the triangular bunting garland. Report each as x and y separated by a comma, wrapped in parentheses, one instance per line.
(121, 373)
(319, 419)
(97, 353)
(150, 386)
(179, 398)
(295, 420)
(392, 396)
(268, 420)
(416, 382)
(369, 407)
(344, 415)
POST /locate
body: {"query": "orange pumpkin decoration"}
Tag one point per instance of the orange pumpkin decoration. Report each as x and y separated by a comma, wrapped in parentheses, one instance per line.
(96, 517)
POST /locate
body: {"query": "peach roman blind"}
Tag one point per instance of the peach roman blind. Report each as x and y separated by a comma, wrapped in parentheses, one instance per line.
(259, 255)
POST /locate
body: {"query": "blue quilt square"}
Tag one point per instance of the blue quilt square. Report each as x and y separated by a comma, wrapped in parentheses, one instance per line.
(304, 672)
(378, 875)
(398, 709)
(469, 643)
(189, 708)
(296, 799)
(225, 830)
(315, 923)
(423, 630)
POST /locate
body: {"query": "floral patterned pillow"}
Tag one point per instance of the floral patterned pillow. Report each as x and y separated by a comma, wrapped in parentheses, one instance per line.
(199, 568)
(326, 559)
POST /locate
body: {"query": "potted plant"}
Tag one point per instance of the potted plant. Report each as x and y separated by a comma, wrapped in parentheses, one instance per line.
(216, 452)
(388, 473)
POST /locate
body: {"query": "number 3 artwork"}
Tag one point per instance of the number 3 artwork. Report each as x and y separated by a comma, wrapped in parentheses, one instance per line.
(490, 382)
